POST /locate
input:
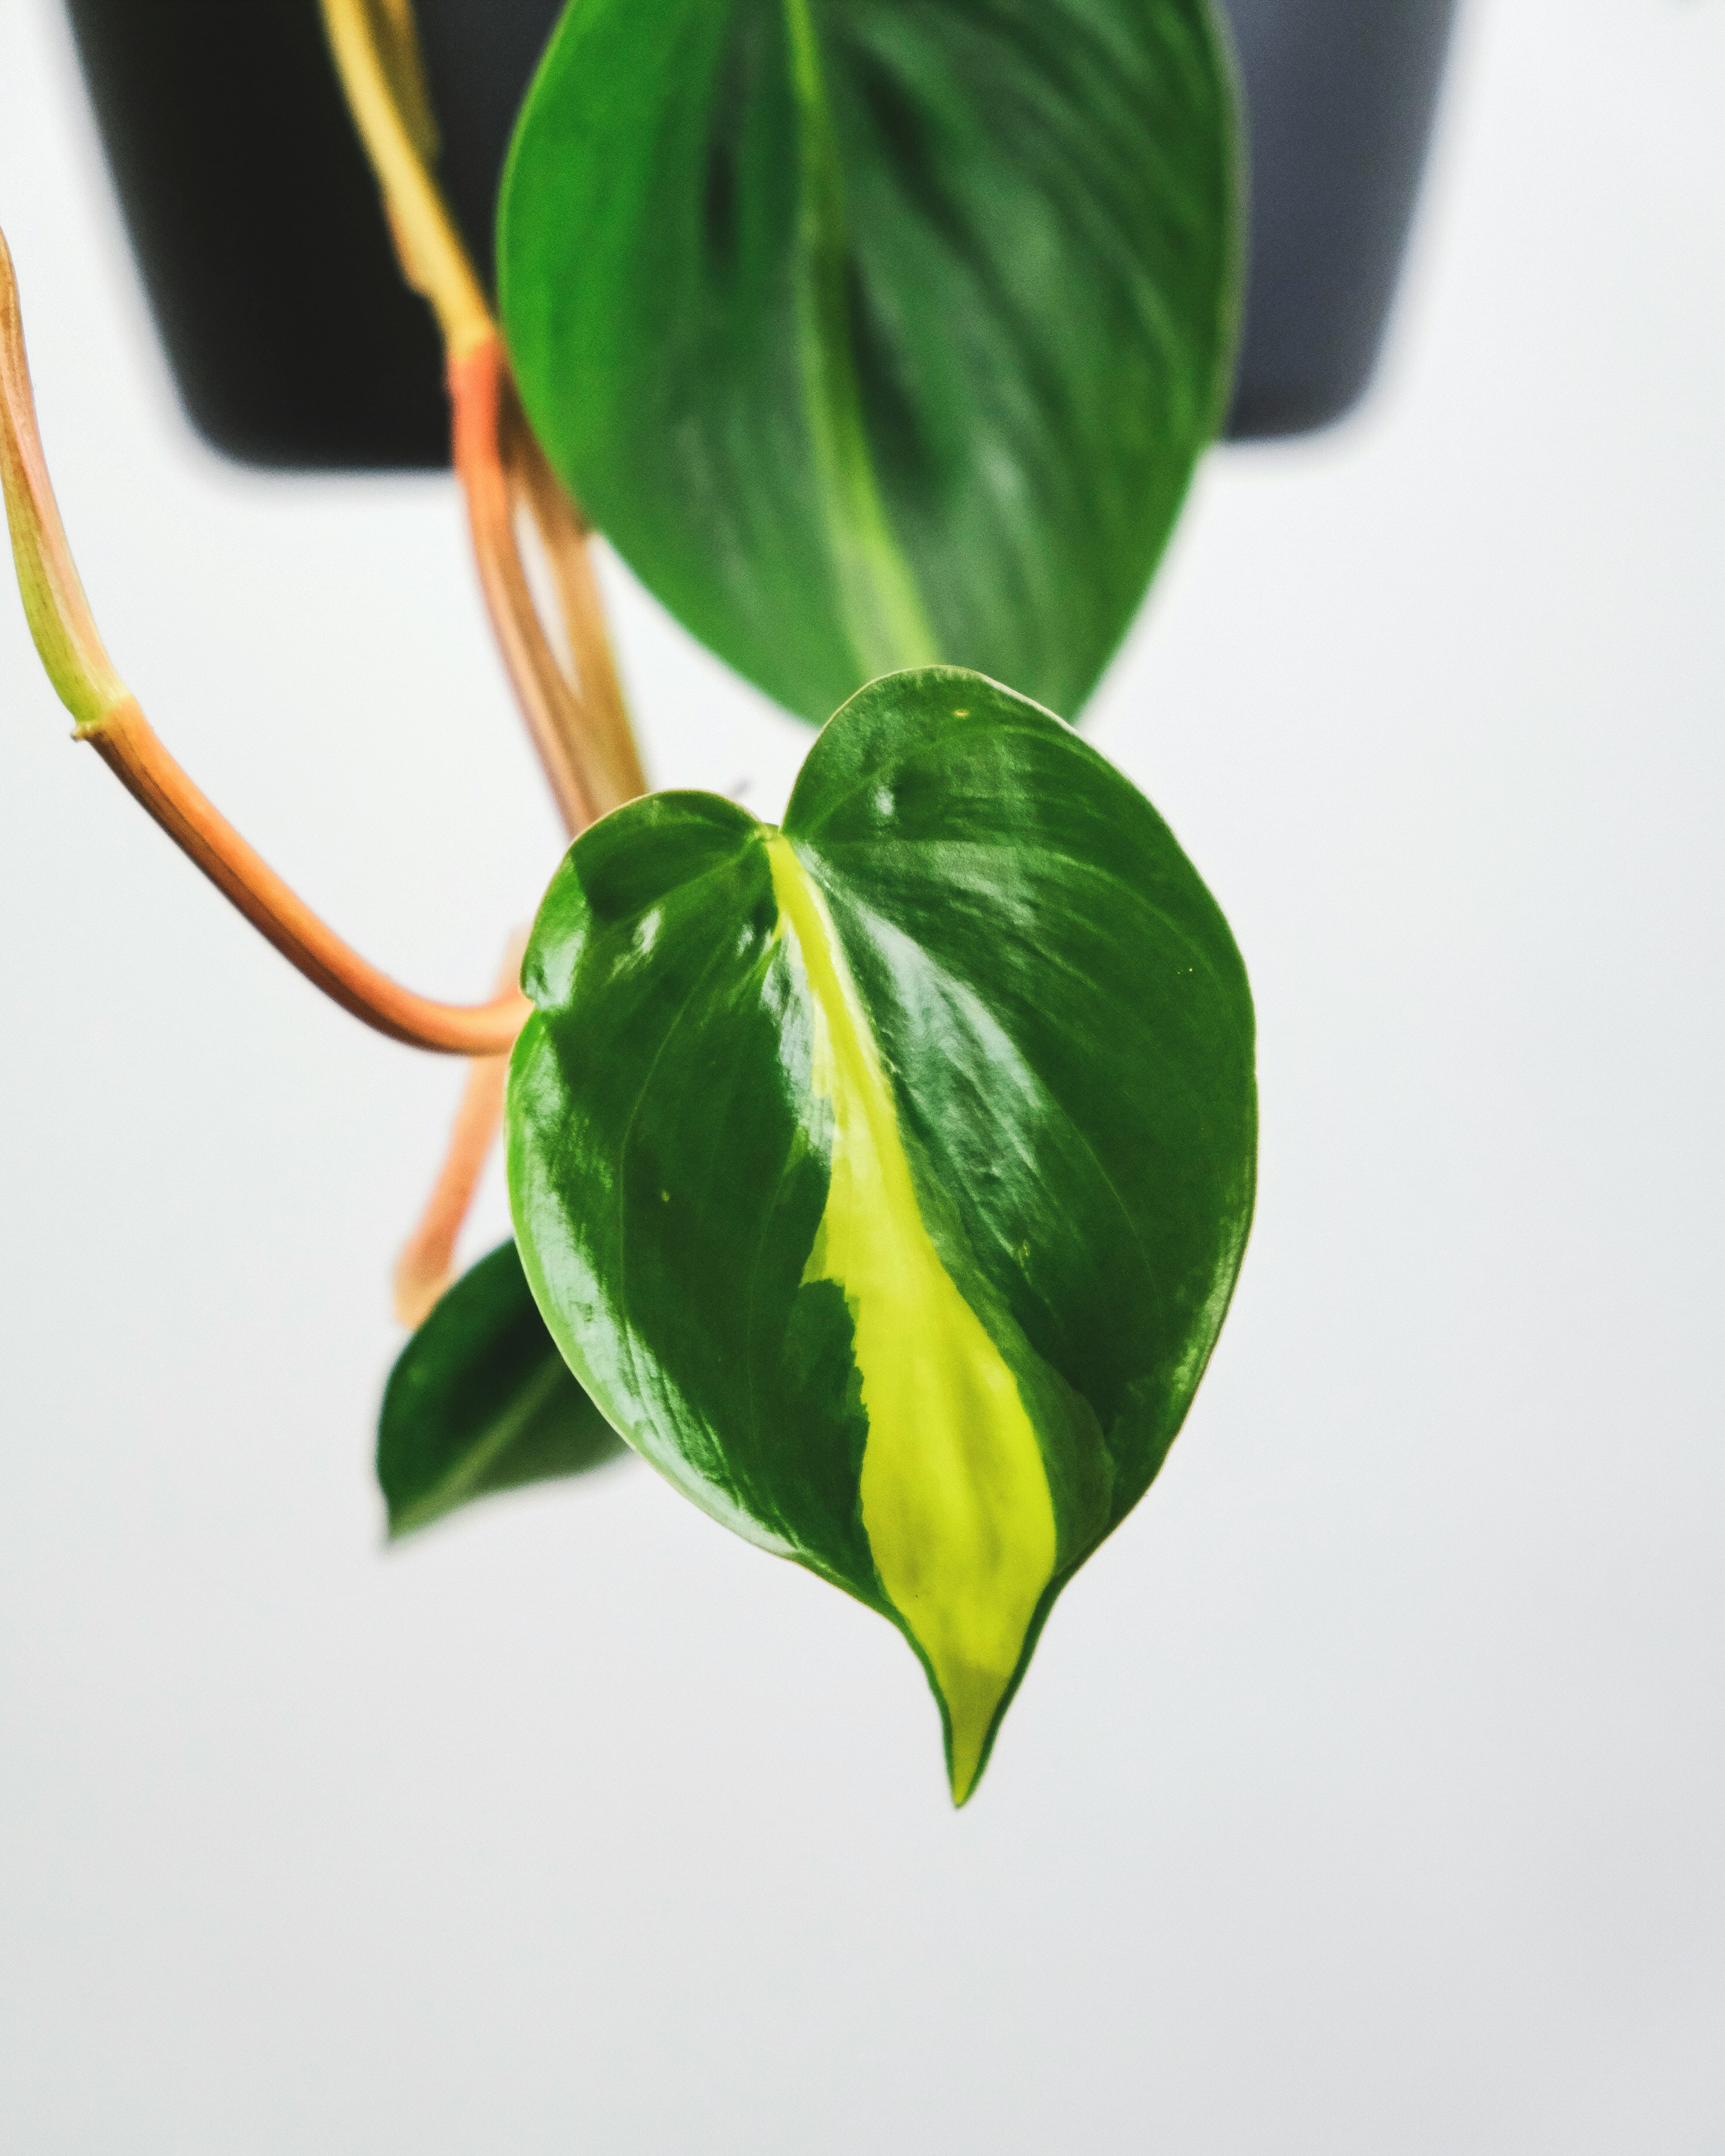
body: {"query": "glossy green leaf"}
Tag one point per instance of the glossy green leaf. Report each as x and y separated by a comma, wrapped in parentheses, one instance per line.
(879, 331)
(480, 1401)
(885, 1177)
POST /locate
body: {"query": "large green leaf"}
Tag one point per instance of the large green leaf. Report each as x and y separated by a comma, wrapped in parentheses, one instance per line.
(480, 1400)
(885, 1177)
(879, 332)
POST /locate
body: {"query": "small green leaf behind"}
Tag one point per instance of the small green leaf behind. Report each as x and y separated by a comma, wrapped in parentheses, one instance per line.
(874, 333)
(481, 1401)
(885, 1177)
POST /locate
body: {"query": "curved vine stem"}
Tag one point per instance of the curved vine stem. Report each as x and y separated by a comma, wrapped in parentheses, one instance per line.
(89, 684)
(127, 744)
(575, 714)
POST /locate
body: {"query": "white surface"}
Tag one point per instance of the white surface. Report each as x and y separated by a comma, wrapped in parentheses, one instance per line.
(1366, 1795)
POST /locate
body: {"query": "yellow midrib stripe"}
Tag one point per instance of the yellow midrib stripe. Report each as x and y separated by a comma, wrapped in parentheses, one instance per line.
(955, 1501)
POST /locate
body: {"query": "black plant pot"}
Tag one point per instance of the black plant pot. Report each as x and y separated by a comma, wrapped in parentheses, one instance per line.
(295, 343)
(1339, 96)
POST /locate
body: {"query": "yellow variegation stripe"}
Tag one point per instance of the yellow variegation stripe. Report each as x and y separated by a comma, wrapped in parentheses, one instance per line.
(955, 1501)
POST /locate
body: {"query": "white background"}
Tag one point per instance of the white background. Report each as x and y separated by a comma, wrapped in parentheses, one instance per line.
(1366, 1795)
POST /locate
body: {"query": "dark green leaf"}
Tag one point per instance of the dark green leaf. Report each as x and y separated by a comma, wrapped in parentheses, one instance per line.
(879, 331)
(886, 1177)
(480, 1400)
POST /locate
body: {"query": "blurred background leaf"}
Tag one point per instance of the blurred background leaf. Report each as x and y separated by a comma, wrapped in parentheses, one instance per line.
(873, 335)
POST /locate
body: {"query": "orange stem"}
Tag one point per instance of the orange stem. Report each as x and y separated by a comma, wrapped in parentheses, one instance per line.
(548, 703)
(606, 731)
(580, 727)
(127, 744)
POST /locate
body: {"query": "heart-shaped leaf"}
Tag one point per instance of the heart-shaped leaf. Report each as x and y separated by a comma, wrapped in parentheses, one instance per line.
(879, 331)
(885, 1177)
(480, 1400)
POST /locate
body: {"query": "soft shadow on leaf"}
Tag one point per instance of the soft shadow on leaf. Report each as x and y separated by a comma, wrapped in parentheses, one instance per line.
(481, 1401)
(873, 334)
(886, 1176)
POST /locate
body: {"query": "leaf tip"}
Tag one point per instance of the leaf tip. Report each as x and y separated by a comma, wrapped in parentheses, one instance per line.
(970, 1719)
(964, 1781)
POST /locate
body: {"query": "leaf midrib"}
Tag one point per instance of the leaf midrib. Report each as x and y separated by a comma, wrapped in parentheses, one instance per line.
(462, 1480)
(880, 605)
